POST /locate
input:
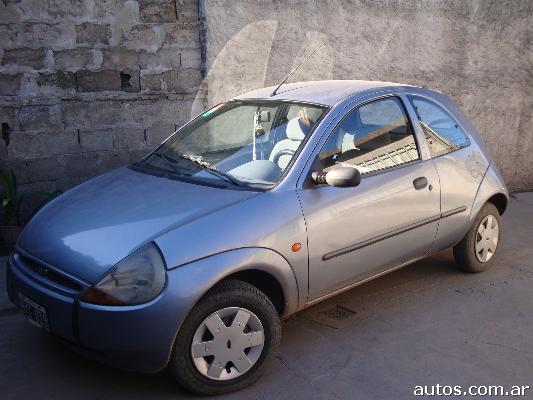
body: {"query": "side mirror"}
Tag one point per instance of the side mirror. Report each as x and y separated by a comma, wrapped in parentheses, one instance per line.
(340, 177)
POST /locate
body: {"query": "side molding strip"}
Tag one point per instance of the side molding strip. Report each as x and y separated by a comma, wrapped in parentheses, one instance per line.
(393, 233)
(379, 238)
(453, 212)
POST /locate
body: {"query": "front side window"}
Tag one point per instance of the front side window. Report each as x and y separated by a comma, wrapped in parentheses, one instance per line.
(443, 134)
(238, 143)
(374, 137)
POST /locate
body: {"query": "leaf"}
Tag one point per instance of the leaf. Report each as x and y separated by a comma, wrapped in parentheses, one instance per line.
(9, 185)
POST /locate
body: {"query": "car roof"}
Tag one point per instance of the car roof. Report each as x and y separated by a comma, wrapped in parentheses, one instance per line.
(321, 92)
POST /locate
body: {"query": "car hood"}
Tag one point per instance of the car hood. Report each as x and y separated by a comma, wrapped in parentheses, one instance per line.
(90, 228)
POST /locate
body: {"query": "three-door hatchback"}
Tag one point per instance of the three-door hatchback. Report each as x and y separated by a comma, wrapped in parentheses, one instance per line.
(257, 208)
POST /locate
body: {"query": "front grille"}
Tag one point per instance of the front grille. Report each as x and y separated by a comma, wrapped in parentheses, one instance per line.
(49, 274)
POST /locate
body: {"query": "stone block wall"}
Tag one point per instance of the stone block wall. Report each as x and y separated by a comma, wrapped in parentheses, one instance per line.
(89, 85)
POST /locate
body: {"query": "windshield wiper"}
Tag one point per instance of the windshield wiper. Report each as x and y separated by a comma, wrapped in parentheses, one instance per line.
(170, 162)
(199, 161)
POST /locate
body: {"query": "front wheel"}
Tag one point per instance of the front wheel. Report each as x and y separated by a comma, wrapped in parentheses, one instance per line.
(227, 340)
(475, 252)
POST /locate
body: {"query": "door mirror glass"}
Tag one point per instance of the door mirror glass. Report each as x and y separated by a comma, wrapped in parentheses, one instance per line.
(339, 177)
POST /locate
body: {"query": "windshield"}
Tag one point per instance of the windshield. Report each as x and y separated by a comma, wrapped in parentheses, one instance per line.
(238, 143)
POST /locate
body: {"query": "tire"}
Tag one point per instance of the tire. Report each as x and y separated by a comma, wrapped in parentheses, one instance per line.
(228, 297)
(467, 252)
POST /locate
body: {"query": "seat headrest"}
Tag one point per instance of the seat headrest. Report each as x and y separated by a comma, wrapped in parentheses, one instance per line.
(297, 130)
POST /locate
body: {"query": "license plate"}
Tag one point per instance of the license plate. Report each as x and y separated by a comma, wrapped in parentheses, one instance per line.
(35, 313)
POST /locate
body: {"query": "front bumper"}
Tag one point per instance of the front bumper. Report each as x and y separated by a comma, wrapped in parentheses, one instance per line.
(138, 338)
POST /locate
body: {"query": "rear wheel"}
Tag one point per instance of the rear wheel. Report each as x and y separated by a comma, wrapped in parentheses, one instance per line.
(227, 340)
(475, 252)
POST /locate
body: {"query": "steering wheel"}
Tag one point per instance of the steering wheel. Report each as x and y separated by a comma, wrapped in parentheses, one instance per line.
(284, 152)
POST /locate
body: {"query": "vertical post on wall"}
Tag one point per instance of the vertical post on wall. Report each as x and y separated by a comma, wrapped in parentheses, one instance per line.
(203, 37)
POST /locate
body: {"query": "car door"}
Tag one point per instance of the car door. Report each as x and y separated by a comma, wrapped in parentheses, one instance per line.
(359, 232)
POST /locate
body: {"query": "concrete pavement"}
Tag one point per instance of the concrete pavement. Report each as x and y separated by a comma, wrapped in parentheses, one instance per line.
(426, 324)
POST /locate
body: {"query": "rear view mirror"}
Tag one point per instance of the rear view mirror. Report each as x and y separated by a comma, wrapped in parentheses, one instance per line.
(339, 177)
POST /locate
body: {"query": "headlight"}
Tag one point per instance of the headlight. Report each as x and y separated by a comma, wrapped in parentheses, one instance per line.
(137, 279)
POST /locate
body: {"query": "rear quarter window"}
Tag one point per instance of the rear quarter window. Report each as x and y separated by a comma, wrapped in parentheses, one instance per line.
(442, 132)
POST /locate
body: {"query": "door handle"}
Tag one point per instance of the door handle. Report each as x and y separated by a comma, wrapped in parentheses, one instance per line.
(420, 183)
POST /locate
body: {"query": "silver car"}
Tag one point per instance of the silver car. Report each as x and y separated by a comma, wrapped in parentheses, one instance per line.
(259, 207)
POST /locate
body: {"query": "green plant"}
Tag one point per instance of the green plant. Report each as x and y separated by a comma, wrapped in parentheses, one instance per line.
(11, 200)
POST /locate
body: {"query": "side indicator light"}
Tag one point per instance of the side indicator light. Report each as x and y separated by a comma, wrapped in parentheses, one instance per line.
(296, 247)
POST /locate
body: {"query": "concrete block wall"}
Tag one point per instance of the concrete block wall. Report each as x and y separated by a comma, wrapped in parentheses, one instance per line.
(89, 85)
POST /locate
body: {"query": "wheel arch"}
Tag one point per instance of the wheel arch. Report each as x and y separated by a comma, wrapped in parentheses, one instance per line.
(190, 282)
(492, 190)
(500, 201)
(264, 268)
(265, 282)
